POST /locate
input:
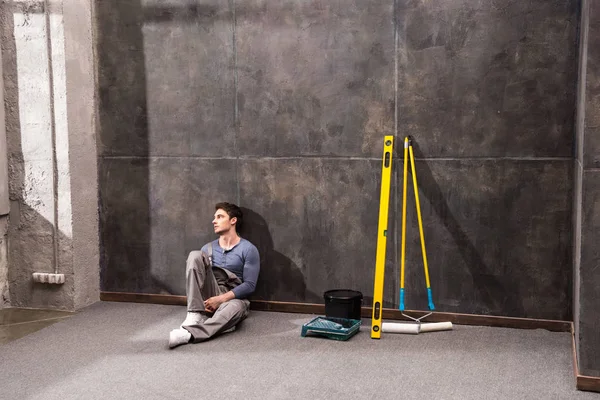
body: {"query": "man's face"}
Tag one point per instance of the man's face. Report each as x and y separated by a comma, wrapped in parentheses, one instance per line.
(222, 223)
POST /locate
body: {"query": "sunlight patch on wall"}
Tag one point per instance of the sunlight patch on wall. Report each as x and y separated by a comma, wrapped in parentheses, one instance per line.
(42, 108)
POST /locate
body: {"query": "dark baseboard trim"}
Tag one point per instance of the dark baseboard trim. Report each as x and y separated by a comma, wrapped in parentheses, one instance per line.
(166, 299)
(285, 307)
(583, 382)
(388, 313)
(587, 383)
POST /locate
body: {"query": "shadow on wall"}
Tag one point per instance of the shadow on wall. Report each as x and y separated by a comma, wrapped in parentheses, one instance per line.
(133, 206)
(31, 187)
(280, 278)
(486, 283)
(123, 148)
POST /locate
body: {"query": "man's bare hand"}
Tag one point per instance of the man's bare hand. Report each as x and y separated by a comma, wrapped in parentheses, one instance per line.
(212, 303)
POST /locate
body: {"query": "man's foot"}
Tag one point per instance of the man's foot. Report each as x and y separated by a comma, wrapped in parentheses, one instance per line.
(194, 318)
(178, 337)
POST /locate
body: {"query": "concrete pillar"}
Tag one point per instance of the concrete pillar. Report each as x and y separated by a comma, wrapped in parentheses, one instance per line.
(80, 85)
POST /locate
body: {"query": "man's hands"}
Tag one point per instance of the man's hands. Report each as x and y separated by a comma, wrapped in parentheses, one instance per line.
(211, 304)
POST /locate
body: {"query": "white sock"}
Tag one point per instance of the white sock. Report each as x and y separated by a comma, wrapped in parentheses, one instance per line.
(194, 318)
(178, 337)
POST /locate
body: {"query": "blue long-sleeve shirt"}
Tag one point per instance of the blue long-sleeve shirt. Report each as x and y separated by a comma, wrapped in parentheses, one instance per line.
(243, 260)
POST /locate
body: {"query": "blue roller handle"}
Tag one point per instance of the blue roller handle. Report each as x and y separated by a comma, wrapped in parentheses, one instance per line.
(431, 306)
(401, 299)
(429, 297)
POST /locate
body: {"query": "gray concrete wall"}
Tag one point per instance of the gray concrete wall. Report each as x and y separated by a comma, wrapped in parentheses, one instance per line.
(49, 88)
(488, 91)
(578, 164)
(4, 204)
(282, 107)
(587, 276)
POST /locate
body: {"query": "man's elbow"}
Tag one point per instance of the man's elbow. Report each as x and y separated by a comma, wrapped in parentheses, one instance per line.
(251, 287)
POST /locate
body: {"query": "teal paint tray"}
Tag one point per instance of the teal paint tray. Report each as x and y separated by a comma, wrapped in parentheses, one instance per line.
(332, 328)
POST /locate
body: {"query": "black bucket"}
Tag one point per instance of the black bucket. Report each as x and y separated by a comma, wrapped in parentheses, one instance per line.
(343, 303)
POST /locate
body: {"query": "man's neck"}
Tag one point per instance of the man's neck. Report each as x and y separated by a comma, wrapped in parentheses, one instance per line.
(228, 240)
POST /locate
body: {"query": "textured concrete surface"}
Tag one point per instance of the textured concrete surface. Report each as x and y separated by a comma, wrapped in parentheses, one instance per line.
(587, 215)
(591, 142)
(314, 78)
(167, 104)
(320, 226)
(581, 79)
(498, 238)
(577, 223)
(578, 163)
(589, 316)
(34, 115)
(80, 85)
(123, 123)
(488, 78)
(153, 214)
(282, 107)
(125, 221)
(186, 108)
(49, 89)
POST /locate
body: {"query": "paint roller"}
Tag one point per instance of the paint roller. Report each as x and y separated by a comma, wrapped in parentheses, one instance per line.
(416, 326)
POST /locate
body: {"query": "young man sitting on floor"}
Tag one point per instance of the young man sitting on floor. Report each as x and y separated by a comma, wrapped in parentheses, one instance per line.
(219, 278)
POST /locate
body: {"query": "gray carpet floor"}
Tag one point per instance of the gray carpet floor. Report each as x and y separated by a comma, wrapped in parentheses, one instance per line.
(120, 351)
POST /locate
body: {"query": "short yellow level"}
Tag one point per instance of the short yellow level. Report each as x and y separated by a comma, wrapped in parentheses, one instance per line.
(386, 175)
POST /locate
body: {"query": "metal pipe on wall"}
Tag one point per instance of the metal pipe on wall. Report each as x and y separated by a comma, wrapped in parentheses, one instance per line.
(56, 277)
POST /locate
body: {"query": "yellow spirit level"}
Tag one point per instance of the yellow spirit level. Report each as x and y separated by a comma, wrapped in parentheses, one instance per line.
(376, 323)
(384, 200)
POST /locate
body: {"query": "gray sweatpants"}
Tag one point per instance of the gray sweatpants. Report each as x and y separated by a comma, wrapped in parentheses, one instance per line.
(203, 282)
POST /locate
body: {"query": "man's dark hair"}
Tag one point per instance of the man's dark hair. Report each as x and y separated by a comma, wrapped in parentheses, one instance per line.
(233, 211)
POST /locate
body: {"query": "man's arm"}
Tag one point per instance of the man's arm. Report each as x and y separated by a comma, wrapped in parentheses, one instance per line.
(250, 274)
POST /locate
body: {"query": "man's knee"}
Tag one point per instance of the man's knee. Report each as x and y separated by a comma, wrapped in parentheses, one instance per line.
(197, 258)
(195, 255)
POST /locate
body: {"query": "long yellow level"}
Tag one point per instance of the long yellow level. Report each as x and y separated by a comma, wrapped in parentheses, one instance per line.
(384, 200)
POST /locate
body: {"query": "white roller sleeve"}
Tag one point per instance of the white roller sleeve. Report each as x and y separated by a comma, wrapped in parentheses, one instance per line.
(413, 328)
(398, 327)
(436, 326)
